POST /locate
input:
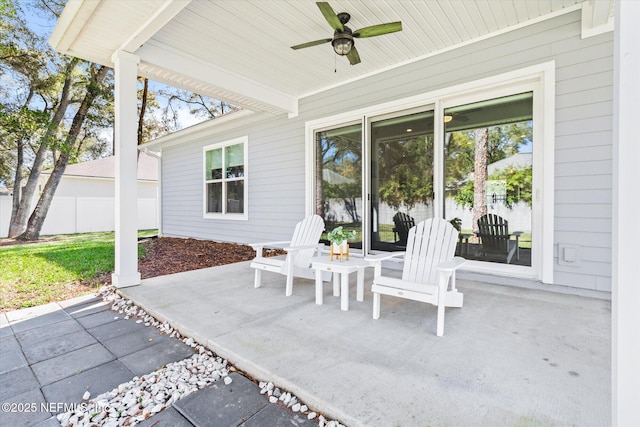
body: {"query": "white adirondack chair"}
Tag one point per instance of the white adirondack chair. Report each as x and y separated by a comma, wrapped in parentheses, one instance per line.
(429, 269)
(300, 249)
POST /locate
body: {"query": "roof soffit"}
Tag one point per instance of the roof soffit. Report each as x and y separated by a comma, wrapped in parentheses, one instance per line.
(163, 60)
(94, 29)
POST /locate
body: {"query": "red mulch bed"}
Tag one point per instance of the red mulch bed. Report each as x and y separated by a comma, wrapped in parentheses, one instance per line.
(168, 255)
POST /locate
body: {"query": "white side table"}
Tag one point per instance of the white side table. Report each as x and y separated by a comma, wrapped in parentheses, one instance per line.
(341, 271)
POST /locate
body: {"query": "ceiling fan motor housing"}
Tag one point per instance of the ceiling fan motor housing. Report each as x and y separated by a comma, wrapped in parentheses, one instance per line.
(344, 17)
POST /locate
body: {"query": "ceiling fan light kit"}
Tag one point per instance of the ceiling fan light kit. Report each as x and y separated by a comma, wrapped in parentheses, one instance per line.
(343, 38)
(342, 43)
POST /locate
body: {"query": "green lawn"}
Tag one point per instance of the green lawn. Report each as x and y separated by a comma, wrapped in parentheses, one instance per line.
(56, 268)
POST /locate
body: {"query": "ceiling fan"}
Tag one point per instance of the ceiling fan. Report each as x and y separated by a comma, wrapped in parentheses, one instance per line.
(343, 37)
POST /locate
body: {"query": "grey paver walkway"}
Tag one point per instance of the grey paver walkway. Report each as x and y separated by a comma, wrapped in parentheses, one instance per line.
(52, 354)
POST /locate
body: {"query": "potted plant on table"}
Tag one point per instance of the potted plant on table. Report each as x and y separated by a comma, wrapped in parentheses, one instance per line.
(339, 242)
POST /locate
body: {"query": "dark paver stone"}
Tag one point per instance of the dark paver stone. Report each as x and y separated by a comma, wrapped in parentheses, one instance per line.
(136, 341)
(42, 333)
(49, 422)
(93, 306)
(43, 320)
(98, 380)
(79, 301)
(11, 356)
(167, 418)
(161, 354)
(65, 365)
(277, 416)
(223, 405)
(16, 382)
(34, 409)
(9, 343)
(97, 319)
(5, 329)
(66, 361)
(114, 328)
(10, 360)
(52, 347)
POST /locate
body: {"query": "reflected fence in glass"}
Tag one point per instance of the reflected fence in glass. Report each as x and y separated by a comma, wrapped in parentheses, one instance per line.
(488, 178)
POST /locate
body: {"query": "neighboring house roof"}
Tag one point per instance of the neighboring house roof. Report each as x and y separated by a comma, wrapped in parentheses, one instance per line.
(518, 161)
(106, 167)
(334, 177)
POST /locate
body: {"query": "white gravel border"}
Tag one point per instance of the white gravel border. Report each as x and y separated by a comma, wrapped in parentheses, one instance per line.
(133, 402)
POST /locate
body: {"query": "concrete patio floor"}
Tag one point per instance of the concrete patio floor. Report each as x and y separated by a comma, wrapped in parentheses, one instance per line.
(509, 357)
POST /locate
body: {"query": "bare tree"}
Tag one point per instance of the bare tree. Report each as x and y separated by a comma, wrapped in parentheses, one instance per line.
(143, 109)
(199, 106)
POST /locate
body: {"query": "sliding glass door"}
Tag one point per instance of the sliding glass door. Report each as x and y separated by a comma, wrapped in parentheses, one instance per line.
(469, 160)
(401, 185)
(488, 177)
(338, 179)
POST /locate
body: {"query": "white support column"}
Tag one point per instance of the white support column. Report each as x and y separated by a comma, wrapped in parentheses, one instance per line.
(126, 195)
(625, 322)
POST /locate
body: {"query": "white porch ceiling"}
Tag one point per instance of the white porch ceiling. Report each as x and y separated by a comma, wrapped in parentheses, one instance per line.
(240, 51)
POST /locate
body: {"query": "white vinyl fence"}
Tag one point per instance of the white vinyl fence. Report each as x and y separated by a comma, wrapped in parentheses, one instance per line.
(519, 215)
(70, 215)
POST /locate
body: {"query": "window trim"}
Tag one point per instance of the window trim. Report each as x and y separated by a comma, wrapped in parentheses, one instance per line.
(225, 215)
(541, 78)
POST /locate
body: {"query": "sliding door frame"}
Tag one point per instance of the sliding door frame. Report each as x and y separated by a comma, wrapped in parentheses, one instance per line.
(540, 79)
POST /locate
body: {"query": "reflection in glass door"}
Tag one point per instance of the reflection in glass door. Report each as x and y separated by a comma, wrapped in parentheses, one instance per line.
(338, 180)
(488, 177)
(401, 178)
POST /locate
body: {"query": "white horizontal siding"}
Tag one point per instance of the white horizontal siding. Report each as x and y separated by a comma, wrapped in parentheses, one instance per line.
(578, 224)
(582, 127)
(595, 167)
(600, 138)
(584, 111)
(579, 182)
(576, 197)
(574, 236)
(586, 281)
(587, 210)
(583, 97)
(583, 154)
(583, 151)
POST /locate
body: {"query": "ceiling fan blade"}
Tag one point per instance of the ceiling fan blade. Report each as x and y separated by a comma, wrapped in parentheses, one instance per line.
(353, 56)
(330, 15)
(378, 30)
(309, 44)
